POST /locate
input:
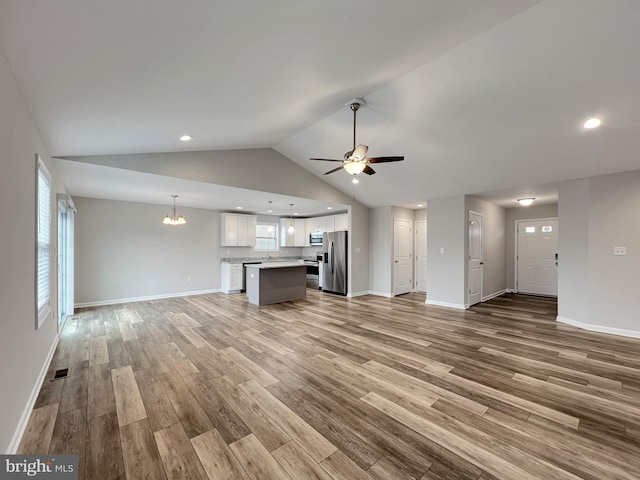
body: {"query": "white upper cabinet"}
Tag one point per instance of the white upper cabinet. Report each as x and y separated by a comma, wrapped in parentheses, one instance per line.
(237, 230)
(341, 222)
(330, 223)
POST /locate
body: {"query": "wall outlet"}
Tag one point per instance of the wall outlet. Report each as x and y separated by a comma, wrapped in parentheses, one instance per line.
(188, 278)
(441, 249)
(357, 249)
(619, 251)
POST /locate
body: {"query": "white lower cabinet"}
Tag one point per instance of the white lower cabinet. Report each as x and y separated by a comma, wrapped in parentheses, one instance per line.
(231, 277)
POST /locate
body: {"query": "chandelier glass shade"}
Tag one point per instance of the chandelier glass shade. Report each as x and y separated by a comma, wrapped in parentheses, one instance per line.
(173, 217)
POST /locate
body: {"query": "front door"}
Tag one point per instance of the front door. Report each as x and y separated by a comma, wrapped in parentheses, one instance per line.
(402, 247)
(475, 257)
(536, 257)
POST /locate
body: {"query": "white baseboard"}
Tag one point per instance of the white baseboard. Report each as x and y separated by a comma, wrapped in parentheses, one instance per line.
(494, 295)
(437, 303)
(381, 294)
(358, 294)
(509, 290)
(144, 299)
(26, 413)
(598, 328)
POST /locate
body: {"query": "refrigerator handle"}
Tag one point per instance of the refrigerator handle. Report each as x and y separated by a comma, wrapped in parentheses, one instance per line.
(331, 256)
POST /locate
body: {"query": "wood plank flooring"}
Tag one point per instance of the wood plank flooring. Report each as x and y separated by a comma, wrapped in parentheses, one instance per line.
(336, 388)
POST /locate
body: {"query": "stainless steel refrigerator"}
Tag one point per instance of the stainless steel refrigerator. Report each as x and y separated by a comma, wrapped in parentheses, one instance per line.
(334, 262)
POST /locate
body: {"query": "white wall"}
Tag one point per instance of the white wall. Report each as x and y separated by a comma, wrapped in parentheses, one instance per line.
(523, 213)
(596, 289)
(123, 251)
(261, 169)
(493, 246)
(381, 248)
(447, 229)
(23, 349)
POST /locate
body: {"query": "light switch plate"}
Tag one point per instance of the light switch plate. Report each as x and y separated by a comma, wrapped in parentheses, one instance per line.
(441, 249)
(619, 251)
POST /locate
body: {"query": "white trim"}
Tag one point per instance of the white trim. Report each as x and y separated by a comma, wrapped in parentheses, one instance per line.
(509, 290)
(358, 294)
(598, 328)
(144, 299)
(438, 303)
(381, 294)
(26, 413)
(494, 295)
(468, 243)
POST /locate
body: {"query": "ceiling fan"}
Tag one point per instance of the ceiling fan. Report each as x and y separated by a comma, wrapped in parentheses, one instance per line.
(354, 161)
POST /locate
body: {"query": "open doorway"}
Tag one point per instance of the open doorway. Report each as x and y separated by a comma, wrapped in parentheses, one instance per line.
(66, 211)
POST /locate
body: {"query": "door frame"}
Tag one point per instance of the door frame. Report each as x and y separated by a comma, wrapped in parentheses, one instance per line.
(515, 248)
(416, 267)
(469, 213)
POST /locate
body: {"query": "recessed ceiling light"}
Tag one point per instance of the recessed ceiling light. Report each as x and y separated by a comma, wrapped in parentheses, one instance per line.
(355, 180)
(593, 123)
(525, 202)
(239, 208)
(329, 208)
(421, 205)
(186, 138)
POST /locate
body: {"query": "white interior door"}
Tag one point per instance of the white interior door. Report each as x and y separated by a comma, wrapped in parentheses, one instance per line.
(475, 258)
(402, 247)
(421, 256)
(536, 257)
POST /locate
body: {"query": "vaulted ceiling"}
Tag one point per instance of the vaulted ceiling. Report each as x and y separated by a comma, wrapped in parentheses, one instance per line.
(478, 96)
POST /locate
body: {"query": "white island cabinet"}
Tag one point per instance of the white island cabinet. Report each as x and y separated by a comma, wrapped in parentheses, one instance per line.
(231, 280)
(237, 230)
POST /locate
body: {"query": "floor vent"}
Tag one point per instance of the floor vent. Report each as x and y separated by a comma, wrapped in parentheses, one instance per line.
(62, 373)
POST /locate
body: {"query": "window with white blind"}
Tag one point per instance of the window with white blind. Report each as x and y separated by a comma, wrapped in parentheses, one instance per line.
(266, 237)
(43, 288)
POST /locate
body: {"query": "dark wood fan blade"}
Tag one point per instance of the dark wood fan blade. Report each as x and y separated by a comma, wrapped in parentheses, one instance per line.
(334, 170)
(384, 159)
(326, 159)
(368, 170)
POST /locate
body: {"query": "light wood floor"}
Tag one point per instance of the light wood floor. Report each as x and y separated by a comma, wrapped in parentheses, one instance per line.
(337, 388)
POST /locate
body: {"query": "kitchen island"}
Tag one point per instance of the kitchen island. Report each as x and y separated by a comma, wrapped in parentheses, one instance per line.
(276, 282)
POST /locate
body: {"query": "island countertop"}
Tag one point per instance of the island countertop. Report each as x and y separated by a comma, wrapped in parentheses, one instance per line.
(276, 282)
(266, 265)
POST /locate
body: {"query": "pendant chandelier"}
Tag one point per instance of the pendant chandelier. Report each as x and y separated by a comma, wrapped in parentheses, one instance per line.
(270, 227)
(173, 218)
(291, 229)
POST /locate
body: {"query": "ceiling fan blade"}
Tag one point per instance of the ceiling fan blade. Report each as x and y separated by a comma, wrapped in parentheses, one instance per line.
(359, 153)
(327, 159)
(334, 170)
(368, 170)
(384, 159)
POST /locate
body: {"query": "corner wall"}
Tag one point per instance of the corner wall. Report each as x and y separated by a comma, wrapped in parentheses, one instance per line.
(597, 290)
(23, 349)
(447, 230)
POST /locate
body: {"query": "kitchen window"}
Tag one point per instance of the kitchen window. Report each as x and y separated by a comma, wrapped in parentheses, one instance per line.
(266, 237)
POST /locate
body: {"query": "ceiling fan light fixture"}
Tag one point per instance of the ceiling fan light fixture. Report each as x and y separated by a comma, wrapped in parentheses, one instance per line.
(525, 202)
(354, 167)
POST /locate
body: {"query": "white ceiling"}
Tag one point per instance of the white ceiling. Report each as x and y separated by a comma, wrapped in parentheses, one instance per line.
(478, 96)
